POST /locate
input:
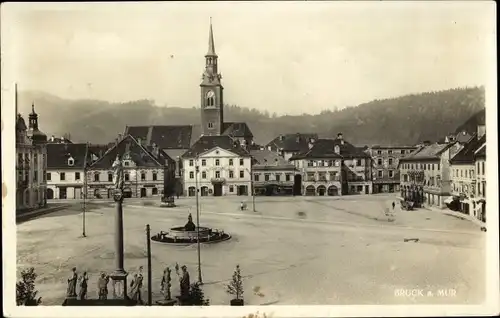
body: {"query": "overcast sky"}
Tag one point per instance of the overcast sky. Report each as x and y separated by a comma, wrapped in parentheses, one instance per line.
(282, 57)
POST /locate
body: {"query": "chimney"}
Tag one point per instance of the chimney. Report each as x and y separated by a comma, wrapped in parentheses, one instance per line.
(119, 136)
(52, 138)
(426, 143)
(139, 141)
(311, 143)
(341, 138)
(282, 137)
(297, 137)
(481, 131)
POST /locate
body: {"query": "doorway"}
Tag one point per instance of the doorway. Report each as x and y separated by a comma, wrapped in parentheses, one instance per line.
(143, 192)
(50, 194)
(367, 189)
(217, 189)
(321, 190)
(63, 193)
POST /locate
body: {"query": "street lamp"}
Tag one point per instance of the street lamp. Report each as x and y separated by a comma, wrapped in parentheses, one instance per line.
(198, 221)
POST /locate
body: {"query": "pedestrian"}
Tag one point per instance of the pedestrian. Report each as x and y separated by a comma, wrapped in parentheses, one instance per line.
(393, 205)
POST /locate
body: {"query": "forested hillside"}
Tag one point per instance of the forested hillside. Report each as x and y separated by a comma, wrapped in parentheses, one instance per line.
(396, 121)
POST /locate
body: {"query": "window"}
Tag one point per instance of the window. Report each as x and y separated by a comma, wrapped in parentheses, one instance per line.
(143, 176)
(191, 162)
(210, 125)
(217, 162)
(191, 175)
(391, 174)
(96, 177)
(461, 173)
(266, 177)
(231, 188)
(287, 177)
(379, 152)
(466, 173)
(203, 175)
(203, 162)
(49, 177)
(71, 162)
(110, 177)
(402, 152)
(155, 176)
(77, 175)
(126, 163)
(277, 177)
(127, 177)
(62, 176)
(438, 166)
(358, 162)
(379, 162)
(242, 174)
(432, 166)
(482, 167)
(241, 162)
(230, 162)
(35, 175)
(231, 174)
(405, 178)
(389, 152)
(256, 177)
(217, 174)
(390, 161)
(310, 163)
(380, 173)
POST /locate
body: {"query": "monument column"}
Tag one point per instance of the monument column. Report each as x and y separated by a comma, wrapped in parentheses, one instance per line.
(119, 276)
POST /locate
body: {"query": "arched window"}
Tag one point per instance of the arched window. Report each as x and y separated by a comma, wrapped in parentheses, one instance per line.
(210, 99)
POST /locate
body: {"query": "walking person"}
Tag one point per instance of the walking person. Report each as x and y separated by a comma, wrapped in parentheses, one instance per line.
(393, 205)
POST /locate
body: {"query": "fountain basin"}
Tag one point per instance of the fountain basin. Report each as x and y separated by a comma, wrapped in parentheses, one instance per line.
(179, 235)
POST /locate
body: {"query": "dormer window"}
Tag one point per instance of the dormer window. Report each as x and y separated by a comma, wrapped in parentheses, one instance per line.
(126, 163)
(71, 161)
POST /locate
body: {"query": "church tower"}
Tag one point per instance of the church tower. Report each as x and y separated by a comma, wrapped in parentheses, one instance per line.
(212, 112)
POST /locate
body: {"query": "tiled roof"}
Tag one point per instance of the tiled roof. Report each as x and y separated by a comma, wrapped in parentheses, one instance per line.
(58, 155)
(237, 130)
(263, 158)
(292, 142)
(139, 154)
(325, 148)
(166, 137)
(206, 143)
(99, 149)
(466, 155)
(432, 151)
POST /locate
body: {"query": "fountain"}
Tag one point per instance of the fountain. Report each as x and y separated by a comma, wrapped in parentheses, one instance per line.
(188, 234)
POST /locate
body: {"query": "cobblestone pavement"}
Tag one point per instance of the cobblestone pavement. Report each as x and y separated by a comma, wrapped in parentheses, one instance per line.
(292, 250)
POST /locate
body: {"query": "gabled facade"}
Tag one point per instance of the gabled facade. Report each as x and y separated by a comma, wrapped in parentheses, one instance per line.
(148, 171)
(31, 162)
(385, 160)
(272, 174)
(217, 165)
(66, 163)
(334, 167)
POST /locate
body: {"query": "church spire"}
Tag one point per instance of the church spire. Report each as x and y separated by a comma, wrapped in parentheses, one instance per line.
(211, 45)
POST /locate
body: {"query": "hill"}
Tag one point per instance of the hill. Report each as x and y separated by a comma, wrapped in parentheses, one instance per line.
(402, 120)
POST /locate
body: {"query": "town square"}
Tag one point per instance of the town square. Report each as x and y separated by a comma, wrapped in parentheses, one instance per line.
(291, 250)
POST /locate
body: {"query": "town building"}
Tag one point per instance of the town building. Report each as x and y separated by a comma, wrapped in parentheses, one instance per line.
(479, 201)
(272, 174)
(464, 177)
(66, 167)
(288, 145)
(217, 165)
(385, 161)
(333, 167)
(175, 140)
(31, 162)
(145, 168)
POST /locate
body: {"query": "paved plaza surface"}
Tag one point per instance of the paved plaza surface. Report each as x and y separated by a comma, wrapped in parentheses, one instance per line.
(293, 250)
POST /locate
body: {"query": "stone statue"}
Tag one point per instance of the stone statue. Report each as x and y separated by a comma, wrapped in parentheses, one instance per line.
(83, 286)
(165, 284)
(184, 283)
(136, 286)
(190, 225)
(72, 280)
(118, 177)
(102, 284)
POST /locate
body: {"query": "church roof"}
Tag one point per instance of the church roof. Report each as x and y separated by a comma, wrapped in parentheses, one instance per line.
(206, 143)
(59, 153)
(237, 130)
(166, 137)
(211, 44)
(138, 154)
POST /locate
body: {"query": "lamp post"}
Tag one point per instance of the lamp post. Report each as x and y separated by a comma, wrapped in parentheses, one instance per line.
(198, 221)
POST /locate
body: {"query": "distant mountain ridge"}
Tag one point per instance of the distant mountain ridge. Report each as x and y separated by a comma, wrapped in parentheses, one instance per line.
(404, 120)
